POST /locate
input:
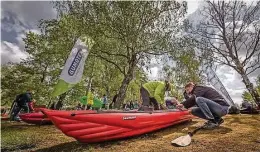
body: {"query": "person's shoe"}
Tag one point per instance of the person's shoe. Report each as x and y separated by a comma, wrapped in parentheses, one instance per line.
(220, 121)
(210, 125)
(17, 119)
(207, 122)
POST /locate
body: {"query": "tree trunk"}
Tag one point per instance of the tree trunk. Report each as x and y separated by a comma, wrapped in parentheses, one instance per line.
(249, 86)
(59, 103)
(89, 85)
(91, 77)
(107, 92)
(123, 88)
(127, 79)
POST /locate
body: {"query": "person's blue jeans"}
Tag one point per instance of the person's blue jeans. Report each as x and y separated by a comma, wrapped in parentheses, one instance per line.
(208, 109)
(17, 109)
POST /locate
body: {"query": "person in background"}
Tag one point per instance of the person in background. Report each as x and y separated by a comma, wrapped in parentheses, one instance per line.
(78, 107)
(211, 105)
(104, 102)
(136, 105)
(90, 99)
(246, 106)
(52, 107)
(84, 102)
(127, 106)
(22, 101)
(131, 105)
(87, 101)
(152, 93)
(113, 102)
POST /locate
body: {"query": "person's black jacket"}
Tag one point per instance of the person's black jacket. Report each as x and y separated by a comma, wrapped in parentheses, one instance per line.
(24, 98)
(206, 92)
(186, 96)
(131, 105)
(114, 99)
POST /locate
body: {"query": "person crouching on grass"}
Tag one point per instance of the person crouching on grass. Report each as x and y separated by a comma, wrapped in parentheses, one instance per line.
(210, 104)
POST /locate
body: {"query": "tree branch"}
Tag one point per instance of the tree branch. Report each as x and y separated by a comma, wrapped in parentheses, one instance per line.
(254, 49)
(114, 54)
(258, 67)
(220, 62)
(257, 61)
(107, 60)
(233, 28)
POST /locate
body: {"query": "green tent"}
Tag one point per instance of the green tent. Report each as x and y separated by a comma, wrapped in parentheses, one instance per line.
(97, 103)
(83, 100)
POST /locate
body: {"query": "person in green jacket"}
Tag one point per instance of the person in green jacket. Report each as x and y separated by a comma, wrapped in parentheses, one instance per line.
(88, 100)
(153, 93)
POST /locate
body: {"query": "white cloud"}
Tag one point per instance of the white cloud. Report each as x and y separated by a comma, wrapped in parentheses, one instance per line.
(11, 53)
(34, 31)
(8, 27)
(233, 82)
(20, 41)
(192, 6)
(236, 95)
(29, 12)
(18, 18)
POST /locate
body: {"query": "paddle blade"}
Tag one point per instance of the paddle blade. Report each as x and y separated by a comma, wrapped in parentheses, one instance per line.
(182, 141)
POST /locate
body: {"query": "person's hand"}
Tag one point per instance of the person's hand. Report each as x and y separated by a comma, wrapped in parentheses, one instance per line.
(174, 101)
(180, 106)
(189, 110)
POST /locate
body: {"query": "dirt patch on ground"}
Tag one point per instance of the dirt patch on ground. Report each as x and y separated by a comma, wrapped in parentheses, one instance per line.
(238, 133)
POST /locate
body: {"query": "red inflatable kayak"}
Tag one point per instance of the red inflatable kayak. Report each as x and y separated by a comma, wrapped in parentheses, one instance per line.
(108, 125)
(4, 117)
(37, 118)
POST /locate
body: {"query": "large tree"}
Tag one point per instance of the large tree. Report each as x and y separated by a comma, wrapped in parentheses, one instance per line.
(47, 54)
(230, 34)
(125, 32)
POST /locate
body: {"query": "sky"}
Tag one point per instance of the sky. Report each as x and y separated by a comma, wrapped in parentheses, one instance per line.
(19, 17)
(192, 6)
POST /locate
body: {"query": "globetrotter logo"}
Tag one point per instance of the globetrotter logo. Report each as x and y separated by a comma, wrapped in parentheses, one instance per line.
(129, 118)
(75, 63)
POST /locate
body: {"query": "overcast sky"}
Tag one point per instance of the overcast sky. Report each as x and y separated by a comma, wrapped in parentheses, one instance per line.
(21, 16)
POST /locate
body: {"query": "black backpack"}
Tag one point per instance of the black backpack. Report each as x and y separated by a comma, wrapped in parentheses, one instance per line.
(18, 98)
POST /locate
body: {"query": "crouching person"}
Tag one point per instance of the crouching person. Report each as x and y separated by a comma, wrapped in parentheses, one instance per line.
(210, 104)
(22, 102)
(152, 94)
